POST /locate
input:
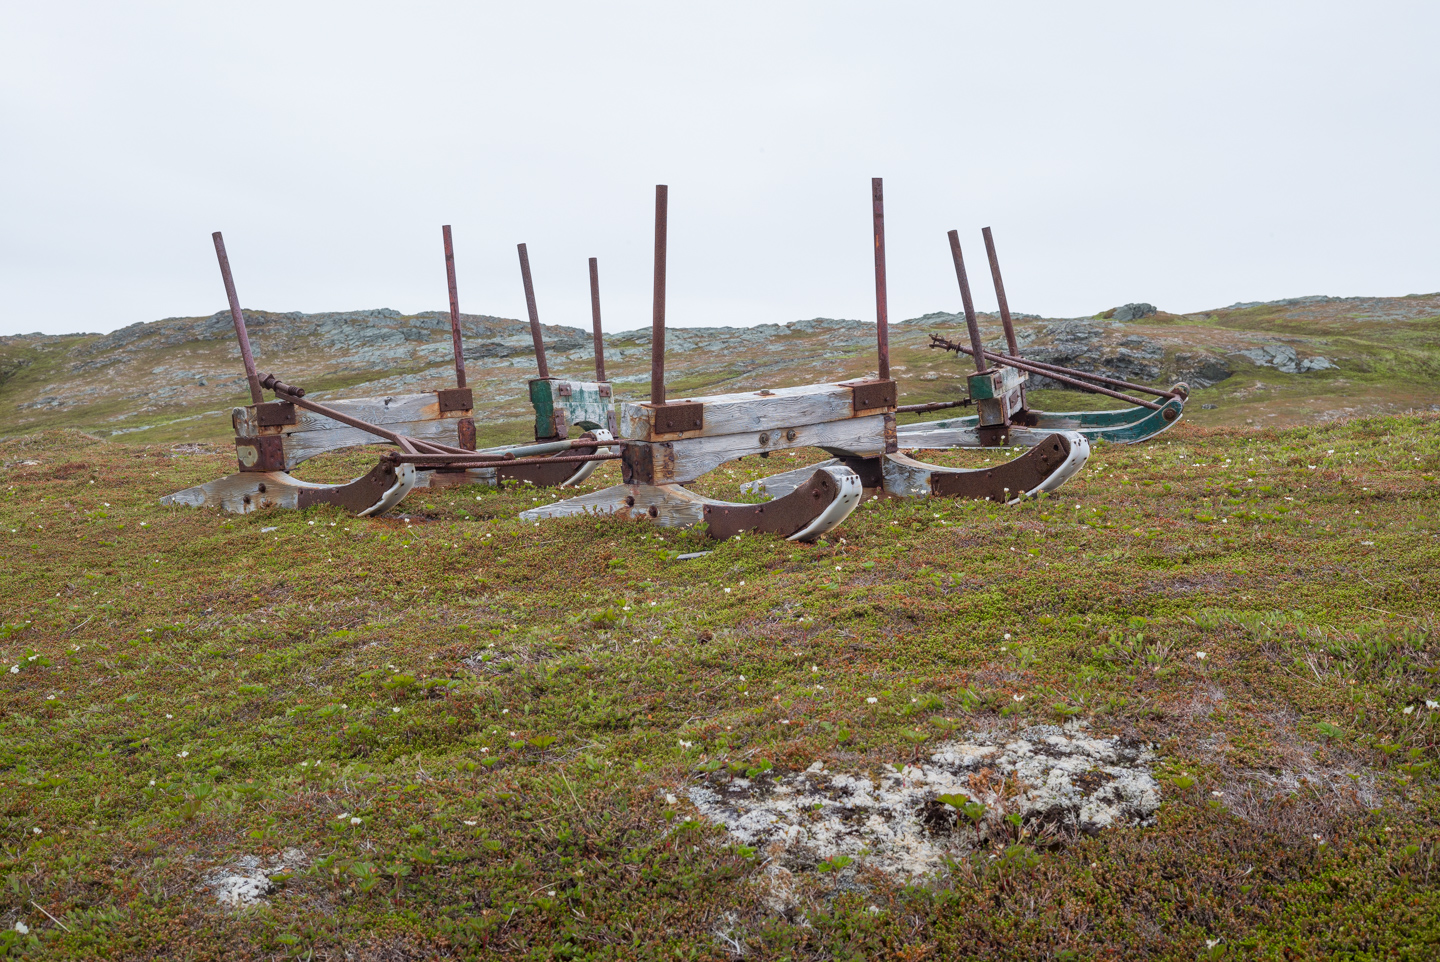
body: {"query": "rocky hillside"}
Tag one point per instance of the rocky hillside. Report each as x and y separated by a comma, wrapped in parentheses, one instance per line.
(1293, 360)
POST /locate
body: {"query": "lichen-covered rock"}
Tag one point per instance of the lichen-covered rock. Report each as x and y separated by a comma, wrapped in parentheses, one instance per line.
(1282, 357)
(893, 820)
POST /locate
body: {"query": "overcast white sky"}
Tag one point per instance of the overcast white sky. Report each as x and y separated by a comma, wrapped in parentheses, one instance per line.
(1188, 155)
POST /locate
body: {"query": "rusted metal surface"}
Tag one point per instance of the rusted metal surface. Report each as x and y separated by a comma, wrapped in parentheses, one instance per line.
(238, 317)
(265, 453)
(971, 323)
(274, 414)
(657, 321)
(783, 516)
(873, 395)
(535, 332)
(644, 463)
(1006, 481)
(882, 306)
(455, 399)
(356, 496)
(932, 406)
(1047, 371)
(465, 433)
(273, 383)
(870, 470)
(678, 417)
(1014, 348)
(595, 319)
(454, 308)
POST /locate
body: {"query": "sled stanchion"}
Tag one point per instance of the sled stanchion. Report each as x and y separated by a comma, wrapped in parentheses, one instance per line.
(882, 306)
(535, 331)
(236, 315)
(657, 323)
(595, 319)
(454, 308)
(1014, 348)
(970, 322)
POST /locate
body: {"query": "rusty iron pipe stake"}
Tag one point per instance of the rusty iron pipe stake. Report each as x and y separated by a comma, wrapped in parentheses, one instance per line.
(454, 308)
(595, 319)
(1000, 293)
(534, 314)
(657, 322)
(459, 462)
(970, 321)
(256, 396)
(937, 341)
(882, 306)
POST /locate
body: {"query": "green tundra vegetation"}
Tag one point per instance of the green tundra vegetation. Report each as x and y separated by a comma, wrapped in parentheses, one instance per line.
(446, 733)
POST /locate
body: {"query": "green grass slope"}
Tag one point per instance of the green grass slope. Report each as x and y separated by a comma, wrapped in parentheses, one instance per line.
(458, 731)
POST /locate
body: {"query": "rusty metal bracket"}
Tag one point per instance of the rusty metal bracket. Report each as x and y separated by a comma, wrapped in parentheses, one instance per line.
(678, 416)
(261, 454)
(273, 414)
(783, 516)
(465, 433)
(456, 399)
(873, 395)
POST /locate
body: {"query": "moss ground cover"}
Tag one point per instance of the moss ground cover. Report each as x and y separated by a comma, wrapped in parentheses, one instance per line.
(470, 729)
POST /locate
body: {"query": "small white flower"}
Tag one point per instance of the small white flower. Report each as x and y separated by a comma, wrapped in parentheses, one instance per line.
(484, 751)
(1217, 794)
(871, 700)
(1007, 636)
(471, 824)
(1211, 943)
(742, 677)
(1432, 705)
(504, 711)
(1409, 709)
(685, 744)
(183, 755)
(727, 591)
(669, 799)
(742, 584)
(35, 830)
(49, 697)
(396, 709)
(169, 716)
(22, 928)
(784, 721)
(1318, 838)
(1018, 697)
(550, 893)
(355, 820)
(1201, 655)
(152, 781)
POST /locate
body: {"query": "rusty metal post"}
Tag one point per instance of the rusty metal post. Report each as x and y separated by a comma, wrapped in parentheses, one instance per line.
(882, 306)
(534, 314)
(1000, 293)
(595, 319)
(970, 321)
(657, 324)
(256, 397)
(454, 308)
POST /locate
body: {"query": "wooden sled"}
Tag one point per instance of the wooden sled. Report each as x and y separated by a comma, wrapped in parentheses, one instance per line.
(667, 445)
(1049, 463)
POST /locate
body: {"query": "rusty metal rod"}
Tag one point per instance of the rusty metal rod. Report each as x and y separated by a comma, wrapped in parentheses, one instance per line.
(1000, 293)
(523, 451)
(236, 315)
(595, 319)
(1046, 366)
(393, 437)
(657, 321)
(535, 331)
(932, 406)
(938, 341)
(454, 308)
(882, 298)
(459, 462)
(970, 321)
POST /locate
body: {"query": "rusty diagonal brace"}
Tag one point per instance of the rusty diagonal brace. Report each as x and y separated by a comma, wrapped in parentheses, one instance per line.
(1049, 371)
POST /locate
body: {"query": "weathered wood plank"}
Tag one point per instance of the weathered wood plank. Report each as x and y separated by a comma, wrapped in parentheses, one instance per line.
(691, 458)
(302, 447)
(750, 412)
